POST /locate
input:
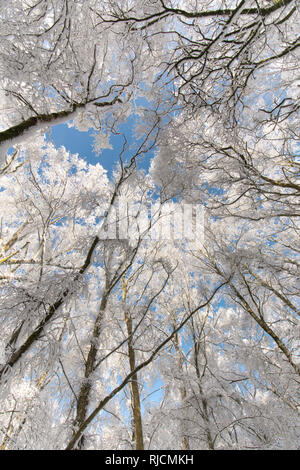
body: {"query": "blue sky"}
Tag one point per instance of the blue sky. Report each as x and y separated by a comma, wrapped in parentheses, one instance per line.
(82, 143)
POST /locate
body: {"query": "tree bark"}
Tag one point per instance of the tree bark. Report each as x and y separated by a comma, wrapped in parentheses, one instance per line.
(135, 394)
(185, 444)
(136, 403)
(86, 386)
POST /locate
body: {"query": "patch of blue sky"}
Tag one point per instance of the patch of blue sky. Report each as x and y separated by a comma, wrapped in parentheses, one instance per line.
(82, 143)
(47, 45)
(153, 393)
(214, 191)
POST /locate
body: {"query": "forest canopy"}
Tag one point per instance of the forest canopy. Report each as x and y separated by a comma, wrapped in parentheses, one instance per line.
(156, 306)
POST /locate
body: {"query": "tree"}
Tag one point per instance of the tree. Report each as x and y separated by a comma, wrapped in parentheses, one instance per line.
(121, 326)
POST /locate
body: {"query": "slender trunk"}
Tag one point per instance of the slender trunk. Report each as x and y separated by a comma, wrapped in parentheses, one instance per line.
(204, 407)
(185, 445)
(135, 394)
(86, 386)
(205, 414)
(136, 403)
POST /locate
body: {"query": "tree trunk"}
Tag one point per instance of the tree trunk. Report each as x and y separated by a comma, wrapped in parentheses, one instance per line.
(86, 386)
(185, 445)
(135, 394)
(136, 404)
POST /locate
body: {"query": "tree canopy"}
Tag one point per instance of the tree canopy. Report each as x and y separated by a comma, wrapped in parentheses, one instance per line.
(154, 308)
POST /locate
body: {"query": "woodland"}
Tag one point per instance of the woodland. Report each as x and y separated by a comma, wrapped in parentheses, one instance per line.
(117, 334)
